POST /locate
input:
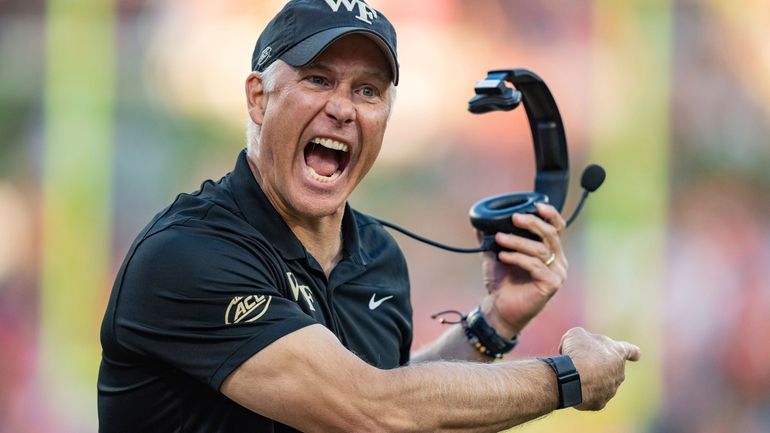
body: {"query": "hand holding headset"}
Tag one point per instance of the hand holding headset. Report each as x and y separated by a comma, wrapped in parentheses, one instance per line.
(494, 214)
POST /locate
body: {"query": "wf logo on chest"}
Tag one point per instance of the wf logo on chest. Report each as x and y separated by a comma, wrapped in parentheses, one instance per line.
(365, 12)
(297, 288)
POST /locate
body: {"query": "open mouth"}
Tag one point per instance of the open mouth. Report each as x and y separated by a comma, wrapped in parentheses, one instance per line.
(326, 159)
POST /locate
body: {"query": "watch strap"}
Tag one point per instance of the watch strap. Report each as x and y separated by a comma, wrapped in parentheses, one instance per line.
(568, 380)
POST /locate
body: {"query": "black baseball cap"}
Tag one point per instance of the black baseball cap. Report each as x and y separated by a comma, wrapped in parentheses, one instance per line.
(304, 28)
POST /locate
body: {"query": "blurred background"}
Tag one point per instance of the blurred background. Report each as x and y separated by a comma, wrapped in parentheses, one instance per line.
(108, 109)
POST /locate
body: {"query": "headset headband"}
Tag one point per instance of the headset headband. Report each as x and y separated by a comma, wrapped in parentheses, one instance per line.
(492, 215)
(551, 158)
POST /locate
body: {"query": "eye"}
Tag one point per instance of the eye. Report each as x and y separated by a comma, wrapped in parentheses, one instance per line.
(317, 80)
(370, 91)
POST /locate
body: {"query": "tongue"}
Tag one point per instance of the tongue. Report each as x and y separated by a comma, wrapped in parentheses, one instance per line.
(322, 160)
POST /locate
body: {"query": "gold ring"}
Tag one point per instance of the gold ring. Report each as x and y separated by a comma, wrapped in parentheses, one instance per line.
(550, 259)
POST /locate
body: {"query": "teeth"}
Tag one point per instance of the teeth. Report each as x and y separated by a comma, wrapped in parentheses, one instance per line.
(330, 144)
(320, 178)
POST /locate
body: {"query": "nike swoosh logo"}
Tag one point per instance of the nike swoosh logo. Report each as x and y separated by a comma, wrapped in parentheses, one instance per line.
(373, 304)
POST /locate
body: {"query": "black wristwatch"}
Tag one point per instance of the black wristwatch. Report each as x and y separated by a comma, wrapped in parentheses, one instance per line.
(568, 380)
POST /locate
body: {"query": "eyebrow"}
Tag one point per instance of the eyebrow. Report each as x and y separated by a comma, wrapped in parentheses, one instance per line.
(376, 73)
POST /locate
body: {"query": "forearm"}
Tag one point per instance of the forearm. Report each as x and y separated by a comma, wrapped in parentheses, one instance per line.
(454, 345)
(310, 371)
(450, 346)
(472, 397)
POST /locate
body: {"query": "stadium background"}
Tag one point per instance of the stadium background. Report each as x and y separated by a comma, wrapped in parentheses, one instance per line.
(110, 108)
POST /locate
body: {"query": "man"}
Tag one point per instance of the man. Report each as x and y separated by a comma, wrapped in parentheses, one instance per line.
(263, 302)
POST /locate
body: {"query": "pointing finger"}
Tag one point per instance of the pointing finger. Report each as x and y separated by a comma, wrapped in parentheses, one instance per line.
(632, 351)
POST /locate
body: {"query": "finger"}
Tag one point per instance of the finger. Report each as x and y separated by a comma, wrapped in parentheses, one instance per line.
(524, 261)
(553, 216)
(540, 227)
(552, 277)
(632, 351)
(523, 245)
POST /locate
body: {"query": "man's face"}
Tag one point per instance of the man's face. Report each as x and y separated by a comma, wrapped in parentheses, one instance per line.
(321, 127)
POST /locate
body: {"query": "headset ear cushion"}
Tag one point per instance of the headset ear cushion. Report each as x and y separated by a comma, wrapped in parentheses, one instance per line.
(493, 214)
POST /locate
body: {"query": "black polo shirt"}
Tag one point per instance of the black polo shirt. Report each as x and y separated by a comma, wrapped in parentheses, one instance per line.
(216, 277)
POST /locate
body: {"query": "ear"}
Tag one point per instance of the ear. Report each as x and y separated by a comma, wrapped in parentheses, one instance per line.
(255, 97)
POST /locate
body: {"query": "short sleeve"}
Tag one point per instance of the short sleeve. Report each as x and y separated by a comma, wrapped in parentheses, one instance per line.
(202, 303)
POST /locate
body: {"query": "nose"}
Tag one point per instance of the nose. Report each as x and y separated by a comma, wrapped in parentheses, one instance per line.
(340, 107)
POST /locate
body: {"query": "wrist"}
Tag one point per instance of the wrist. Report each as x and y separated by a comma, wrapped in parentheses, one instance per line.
(492, 316)
(484, 338)
(567, 380)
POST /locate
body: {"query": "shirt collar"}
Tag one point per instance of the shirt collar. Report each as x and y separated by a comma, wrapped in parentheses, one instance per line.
(261, 215)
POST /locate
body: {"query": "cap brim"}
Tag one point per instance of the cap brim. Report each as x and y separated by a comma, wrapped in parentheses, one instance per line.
(308, 49)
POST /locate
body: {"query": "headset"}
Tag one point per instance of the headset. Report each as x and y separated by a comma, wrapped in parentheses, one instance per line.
(493, 214)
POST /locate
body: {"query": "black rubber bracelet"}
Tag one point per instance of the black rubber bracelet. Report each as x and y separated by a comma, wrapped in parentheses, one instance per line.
(567, 379)
(484, 337)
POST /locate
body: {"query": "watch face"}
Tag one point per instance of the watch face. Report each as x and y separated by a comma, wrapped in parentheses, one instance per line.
(568, 379)
(570, 392)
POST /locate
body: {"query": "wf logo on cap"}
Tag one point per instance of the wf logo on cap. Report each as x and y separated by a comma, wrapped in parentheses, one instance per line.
(365, 12)
(264, 56)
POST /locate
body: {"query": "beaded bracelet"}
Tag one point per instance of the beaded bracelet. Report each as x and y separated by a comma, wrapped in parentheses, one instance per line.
(480, 335)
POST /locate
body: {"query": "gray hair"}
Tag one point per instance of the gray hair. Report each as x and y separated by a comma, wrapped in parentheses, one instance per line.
(269, 78)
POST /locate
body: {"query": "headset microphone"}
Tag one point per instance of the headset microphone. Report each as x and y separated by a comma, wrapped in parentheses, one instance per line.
(494, 214)
(592, 178)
